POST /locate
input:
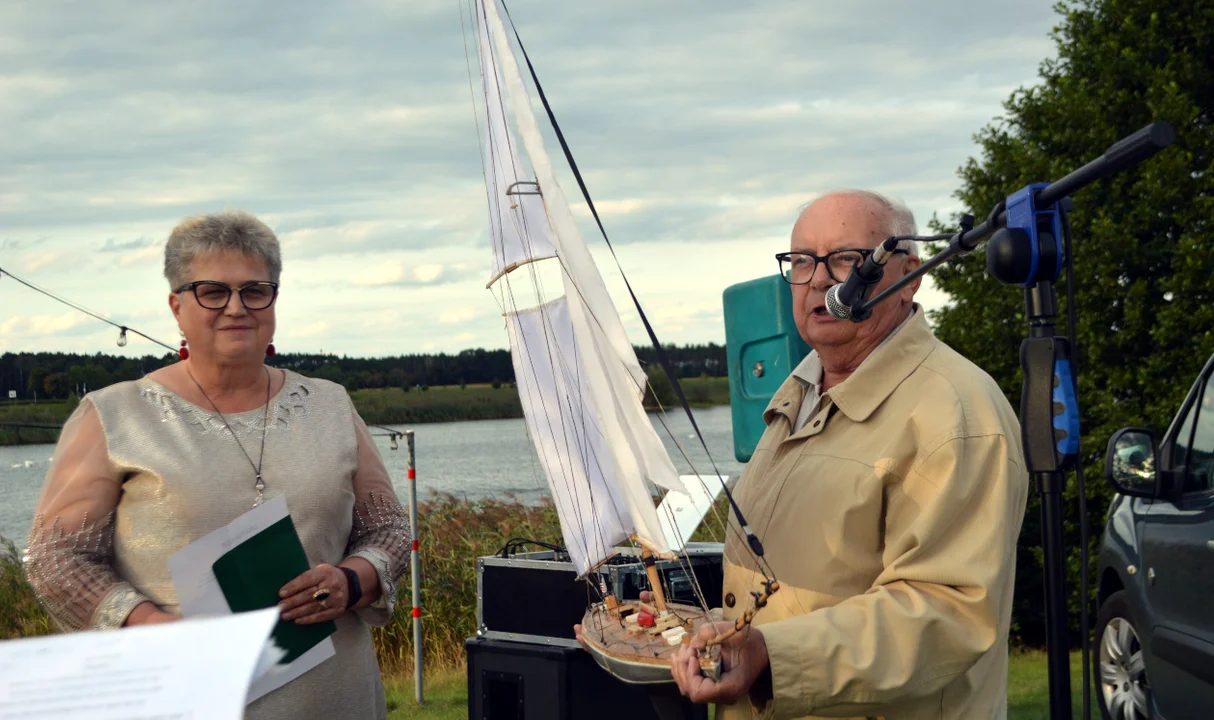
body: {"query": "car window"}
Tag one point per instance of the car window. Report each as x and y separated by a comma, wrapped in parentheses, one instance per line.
(1198, 455)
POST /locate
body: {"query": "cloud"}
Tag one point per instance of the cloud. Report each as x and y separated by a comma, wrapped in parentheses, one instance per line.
(32, 262)
(112, 245)
(401, 275)
(312, 330)
(40, 325)
(457, 316)
(699, 127)
(141, 257)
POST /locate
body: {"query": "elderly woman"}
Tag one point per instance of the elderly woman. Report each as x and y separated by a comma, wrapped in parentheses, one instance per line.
(144, 468)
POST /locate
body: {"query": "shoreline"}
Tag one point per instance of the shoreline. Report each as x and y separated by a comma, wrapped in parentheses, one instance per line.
(386, 406)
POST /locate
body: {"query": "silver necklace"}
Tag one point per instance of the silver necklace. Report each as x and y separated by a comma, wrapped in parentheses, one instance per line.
(260, 485)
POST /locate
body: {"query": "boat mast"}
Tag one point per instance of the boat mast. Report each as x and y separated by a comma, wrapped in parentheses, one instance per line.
(649, 555)
(655, 582)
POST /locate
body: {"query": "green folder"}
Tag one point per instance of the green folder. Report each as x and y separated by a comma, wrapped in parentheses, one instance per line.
(252, 573)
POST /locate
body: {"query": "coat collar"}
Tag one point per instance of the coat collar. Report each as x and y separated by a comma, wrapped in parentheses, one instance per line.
(878, 376)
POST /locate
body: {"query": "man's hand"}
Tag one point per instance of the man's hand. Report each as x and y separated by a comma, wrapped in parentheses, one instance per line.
(743, 660)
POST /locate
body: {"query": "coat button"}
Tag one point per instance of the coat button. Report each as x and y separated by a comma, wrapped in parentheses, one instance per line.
(729, 600)
(817, 423)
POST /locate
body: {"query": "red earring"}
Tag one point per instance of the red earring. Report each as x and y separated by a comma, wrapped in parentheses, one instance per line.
(270, 349)
(183, 353)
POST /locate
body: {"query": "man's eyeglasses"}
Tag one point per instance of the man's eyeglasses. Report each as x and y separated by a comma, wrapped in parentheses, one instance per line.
(798, 267)
(214, 295)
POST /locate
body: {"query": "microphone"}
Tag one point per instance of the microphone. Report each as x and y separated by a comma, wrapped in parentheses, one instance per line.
(840, 299)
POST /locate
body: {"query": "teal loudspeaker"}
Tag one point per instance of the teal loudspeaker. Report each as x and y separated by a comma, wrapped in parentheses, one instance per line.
(763, 346)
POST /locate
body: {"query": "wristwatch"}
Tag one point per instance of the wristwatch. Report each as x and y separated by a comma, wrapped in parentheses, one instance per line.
(356, 588)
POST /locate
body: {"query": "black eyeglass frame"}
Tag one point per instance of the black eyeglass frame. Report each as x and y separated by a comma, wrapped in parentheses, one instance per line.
(820, 259)
(193, 286)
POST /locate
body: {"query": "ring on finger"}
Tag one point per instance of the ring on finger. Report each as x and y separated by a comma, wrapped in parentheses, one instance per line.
(321, 596)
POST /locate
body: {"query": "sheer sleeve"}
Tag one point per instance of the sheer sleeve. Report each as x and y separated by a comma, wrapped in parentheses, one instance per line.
(69, 556)
(380, 533)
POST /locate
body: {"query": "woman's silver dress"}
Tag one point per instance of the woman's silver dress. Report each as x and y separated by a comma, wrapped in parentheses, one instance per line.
(139, 473)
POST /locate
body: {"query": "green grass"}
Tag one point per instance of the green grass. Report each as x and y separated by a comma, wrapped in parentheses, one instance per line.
(706, 391)
(46, 412)
(394, 406)
(1028, 687)
(445, 694)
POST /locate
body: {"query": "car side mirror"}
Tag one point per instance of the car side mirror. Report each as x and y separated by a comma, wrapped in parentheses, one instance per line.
(1130, 464)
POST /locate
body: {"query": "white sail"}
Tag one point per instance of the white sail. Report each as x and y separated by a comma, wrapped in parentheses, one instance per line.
(518, 227)
(565, 428)
(607, 375)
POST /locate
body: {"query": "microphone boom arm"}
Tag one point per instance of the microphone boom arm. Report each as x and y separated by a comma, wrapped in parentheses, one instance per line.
(1122, 154)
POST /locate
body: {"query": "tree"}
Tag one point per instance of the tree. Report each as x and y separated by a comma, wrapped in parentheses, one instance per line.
(660, 391)
(57, 385)
(1143, 239)
(37, 380)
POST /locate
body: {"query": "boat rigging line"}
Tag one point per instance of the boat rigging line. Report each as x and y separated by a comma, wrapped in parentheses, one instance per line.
(122, 329)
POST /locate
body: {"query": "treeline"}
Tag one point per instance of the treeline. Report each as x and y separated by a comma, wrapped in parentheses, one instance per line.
(60, 375)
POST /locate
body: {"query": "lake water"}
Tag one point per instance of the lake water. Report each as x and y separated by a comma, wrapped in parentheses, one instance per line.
(471, 459)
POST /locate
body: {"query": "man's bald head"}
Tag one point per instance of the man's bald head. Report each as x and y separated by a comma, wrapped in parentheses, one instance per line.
(896, 218)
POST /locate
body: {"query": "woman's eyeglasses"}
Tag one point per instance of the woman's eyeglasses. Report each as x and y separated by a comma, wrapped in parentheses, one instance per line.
(214, 295)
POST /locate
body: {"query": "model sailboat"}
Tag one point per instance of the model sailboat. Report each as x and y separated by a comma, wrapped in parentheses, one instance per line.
(578, 377)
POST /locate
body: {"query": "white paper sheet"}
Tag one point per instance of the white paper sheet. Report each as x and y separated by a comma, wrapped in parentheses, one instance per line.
(199, 594)
(185, 670)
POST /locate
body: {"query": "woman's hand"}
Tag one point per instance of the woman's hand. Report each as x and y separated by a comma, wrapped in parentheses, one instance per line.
(147, 613)
(298, 596)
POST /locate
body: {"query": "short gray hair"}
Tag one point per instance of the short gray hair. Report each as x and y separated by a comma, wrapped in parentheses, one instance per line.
(234, 230)
(901, 219)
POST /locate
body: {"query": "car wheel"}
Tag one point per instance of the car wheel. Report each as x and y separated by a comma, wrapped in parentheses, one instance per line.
(1121, 675)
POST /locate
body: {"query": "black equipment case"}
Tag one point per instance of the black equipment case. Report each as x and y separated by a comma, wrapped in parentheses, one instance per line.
(536, 597)
(525, 681)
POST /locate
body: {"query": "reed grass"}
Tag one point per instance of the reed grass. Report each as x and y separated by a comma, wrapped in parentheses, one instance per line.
(20, 613)
(454, 532)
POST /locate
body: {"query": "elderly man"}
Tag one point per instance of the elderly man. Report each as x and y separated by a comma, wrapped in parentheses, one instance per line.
(889, 489)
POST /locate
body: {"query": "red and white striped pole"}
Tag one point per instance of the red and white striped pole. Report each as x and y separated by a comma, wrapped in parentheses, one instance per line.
(415, 566)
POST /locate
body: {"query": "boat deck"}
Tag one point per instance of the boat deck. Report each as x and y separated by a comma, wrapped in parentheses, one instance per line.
(627, 651)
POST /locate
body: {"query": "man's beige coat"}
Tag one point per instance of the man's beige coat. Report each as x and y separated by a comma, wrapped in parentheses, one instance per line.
(891, 522)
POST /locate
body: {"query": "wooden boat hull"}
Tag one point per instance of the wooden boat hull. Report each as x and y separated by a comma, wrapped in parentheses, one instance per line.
(640, 658)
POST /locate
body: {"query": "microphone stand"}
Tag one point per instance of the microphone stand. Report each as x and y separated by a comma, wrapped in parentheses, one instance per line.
(1025, 232)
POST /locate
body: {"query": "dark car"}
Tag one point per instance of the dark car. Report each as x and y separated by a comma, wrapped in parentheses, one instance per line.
(1154, 652)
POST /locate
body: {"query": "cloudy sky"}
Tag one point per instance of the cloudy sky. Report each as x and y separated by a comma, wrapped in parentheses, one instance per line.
(349, 127)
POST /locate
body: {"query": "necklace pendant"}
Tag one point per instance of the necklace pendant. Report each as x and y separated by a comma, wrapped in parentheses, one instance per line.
(260, 485)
